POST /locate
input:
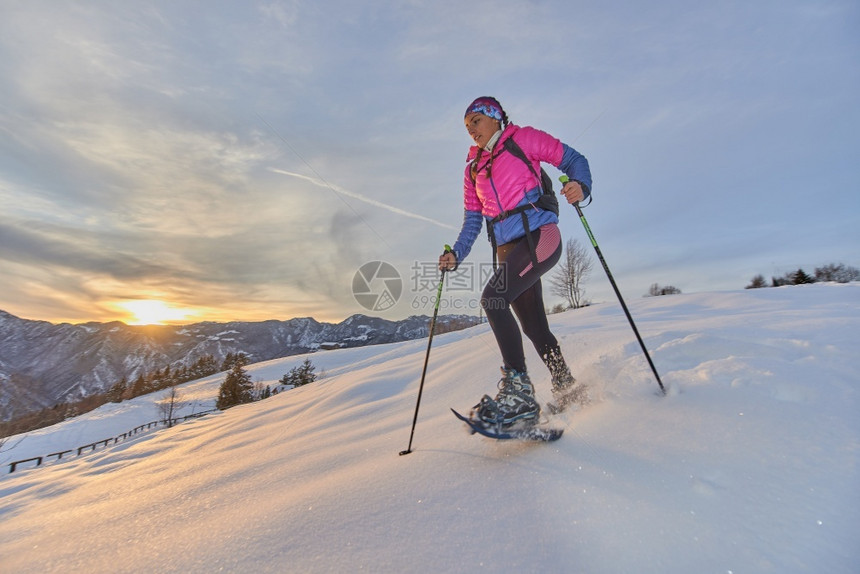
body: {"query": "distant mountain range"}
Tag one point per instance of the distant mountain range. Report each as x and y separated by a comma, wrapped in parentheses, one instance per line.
(44, 364)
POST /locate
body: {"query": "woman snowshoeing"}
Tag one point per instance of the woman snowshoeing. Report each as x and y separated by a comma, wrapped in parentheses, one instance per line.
(502, 185)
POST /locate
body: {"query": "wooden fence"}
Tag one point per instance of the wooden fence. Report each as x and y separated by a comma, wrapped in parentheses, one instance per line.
(55, 456)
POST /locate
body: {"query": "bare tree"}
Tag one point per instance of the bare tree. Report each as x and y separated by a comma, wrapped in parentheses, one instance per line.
(838, 272)
(574, 267)
(657, 290)
(757, 282)
(170, 402)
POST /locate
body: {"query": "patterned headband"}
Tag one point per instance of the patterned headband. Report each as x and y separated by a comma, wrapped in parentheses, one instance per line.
(487, 106)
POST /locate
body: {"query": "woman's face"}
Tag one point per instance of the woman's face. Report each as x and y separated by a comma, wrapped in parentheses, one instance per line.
(481, 128)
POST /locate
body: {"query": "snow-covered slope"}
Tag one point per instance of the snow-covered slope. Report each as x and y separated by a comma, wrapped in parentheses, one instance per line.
(750, 464)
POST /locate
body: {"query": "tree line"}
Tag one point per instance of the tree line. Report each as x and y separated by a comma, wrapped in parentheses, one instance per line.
(122, 390)
(238, 389)
(167, 377)
(832, 272)
(576, 264)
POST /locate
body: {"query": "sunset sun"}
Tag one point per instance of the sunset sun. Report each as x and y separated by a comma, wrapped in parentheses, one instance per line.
(154, 312)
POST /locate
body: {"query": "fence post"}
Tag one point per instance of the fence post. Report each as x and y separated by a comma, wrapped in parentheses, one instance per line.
(60, 454)
(15, 464)
(92, 446)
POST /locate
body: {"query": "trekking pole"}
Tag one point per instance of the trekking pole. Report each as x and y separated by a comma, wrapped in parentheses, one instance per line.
(426, 359)
(564, 179)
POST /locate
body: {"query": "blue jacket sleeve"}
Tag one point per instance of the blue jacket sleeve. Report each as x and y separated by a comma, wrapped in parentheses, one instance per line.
(575, 166)
(472, 222)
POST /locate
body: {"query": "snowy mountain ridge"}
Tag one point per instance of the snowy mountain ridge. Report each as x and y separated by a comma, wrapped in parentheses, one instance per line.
(43, 364)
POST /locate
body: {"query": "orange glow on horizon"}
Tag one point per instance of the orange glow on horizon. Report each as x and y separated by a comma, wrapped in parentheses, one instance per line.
(155, 312)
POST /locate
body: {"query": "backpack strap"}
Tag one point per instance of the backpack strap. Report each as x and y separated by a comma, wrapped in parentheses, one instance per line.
(547, 200)
(515, 149)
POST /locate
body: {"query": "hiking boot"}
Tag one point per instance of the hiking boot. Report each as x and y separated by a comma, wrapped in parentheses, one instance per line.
(565, 391)
(514, 403)
(561, 377)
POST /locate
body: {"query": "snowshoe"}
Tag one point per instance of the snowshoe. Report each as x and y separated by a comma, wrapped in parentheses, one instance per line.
(514, 403)
(521, 431)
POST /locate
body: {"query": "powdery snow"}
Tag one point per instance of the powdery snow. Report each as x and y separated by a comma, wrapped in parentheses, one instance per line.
(749, 465)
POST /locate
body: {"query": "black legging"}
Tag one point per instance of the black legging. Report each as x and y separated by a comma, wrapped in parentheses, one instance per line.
(516, 284)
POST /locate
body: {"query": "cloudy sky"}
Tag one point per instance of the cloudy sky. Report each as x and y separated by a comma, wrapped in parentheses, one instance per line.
(243, 160)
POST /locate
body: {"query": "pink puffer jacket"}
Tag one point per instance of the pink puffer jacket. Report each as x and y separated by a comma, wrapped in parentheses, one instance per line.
(511, 177)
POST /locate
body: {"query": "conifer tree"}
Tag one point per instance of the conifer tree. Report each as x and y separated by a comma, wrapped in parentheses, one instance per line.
(801, 278)
(115, 393)
(232, 359)
(236, 389)
(300, 375)
(139, 387)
